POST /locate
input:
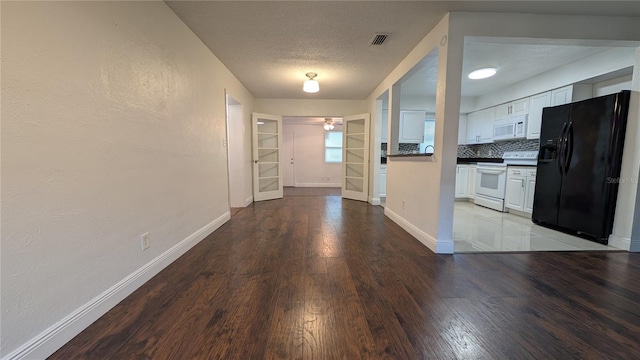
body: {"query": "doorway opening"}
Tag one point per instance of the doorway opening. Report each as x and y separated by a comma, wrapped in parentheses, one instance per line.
(235, 154)
(312, 155)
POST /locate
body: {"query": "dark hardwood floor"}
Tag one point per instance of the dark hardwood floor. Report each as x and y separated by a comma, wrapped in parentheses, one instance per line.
(315, 277)
(306, 191)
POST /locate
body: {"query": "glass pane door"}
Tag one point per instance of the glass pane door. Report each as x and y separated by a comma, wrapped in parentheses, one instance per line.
(267, 172)
(355, 183)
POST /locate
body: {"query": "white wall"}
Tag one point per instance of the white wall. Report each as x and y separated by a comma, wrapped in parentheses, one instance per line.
(416, 188)
(113, 120)
(310, 169)
(626, 225)
(612, 86)
(310, 107)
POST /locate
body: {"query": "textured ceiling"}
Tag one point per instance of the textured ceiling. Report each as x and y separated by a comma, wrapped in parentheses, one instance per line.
(270, 45)
(515, 61)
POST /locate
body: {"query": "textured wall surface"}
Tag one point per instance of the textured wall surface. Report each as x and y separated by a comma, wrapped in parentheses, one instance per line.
(112, 126)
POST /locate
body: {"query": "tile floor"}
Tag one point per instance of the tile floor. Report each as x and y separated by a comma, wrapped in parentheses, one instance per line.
(478, 229)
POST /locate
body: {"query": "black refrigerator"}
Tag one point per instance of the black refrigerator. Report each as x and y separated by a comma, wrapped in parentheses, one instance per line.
(579, 166)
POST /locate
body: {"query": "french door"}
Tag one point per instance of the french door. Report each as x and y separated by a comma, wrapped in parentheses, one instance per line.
(267, 156)
(355, 157)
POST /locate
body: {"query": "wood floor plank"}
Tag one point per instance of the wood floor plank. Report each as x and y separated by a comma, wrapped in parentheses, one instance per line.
(314, 276)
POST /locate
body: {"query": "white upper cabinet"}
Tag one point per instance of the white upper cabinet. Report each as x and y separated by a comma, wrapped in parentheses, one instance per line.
(561, 96)
(462, 129)
(411, 127)
(555, 97)
(480, 126)
(571, 93)
(384, 131)
(538, 102)
(513, 108)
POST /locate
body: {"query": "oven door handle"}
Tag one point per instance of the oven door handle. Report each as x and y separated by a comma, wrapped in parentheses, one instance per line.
(489, 171)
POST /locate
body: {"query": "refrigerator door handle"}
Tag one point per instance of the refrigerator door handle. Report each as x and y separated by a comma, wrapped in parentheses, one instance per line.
(560, 155)
(569, 148)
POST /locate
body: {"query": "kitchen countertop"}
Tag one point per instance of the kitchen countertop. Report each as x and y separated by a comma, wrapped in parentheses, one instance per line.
(479, 160)
(409, 155)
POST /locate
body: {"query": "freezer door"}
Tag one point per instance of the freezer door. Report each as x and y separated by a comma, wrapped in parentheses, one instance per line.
(592, 156)
(548, 178)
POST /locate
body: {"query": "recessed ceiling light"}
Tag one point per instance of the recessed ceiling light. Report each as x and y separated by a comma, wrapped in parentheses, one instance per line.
(482, 73)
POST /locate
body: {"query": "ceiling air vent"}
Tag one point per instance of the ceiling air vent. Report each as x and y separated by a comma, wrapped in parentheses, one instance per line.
(379, 39)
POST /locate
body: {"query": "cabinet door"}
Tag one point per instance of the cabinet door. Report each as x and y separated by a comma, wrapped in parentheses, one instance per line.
(520, 107)
(383, 184)
(462, 172)
(486, 126)
(462, 129)
(473, 122)
(384, 131)
(534, 123)
(561, 96)
(514, 197)
(471, 188)
(503, 111)
(530, 189)
(412, 127)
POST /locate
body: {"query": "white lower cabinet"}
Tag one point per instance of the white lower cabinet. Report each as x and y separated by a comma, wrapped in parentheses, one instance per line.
(471, 184)
(520, 189)
(383, 180)
(531, 190)
(516, 182)
(462, 181)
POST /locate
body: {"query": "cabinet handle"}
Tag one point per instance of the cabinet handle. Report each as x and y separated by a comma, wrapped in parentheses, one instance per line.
(523, 184)
(516, 172)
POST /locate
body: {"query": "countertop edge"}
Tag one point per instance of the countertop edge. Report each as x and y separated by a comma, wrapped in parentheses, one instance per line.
(427, 155)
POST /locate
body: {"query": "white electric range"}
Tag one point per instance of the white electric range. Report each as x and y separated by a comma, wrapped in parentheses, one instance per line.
(491, 178)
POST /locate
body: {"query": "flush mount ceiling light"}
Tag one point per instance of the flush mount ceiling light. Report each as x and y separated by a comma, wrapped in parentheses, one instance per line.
(482, 73)
(311, 85)
(328, 124)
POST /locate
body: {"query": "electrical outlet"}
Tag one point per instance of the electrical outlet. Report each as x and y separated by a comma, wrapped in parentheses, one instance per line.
(144, 241)
(403, 204)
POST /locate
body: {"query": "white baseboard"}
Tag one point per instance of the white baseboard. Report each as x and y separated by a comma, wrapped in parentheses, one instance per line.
(438, 247)
(374, 201)
(318, 185)
(50, 340)
(619, 242)
(248, 201)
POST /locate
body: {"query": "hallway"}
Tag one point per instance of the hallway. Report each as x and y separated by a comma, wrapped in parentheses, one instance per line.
(319, 277)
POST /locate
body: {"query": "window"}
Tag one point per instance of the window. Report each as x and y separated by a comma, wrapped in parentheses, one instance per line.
(333, 147)
(429, 133)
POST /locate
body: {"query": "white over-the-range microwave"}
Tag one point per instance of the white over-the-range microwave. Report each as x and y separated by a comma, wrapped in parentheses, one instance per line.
(511, 128)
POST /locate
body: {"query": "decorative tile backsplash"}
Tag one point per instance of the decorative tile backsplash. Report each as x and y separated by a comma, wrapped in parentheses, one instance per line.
(495, 150)
(404, 148)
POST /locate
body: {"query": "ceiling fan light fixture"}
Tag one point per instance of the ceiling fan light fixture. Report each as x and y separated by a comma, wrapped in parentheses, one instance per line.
(328, 124)
(482, 73)
(311, 85)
